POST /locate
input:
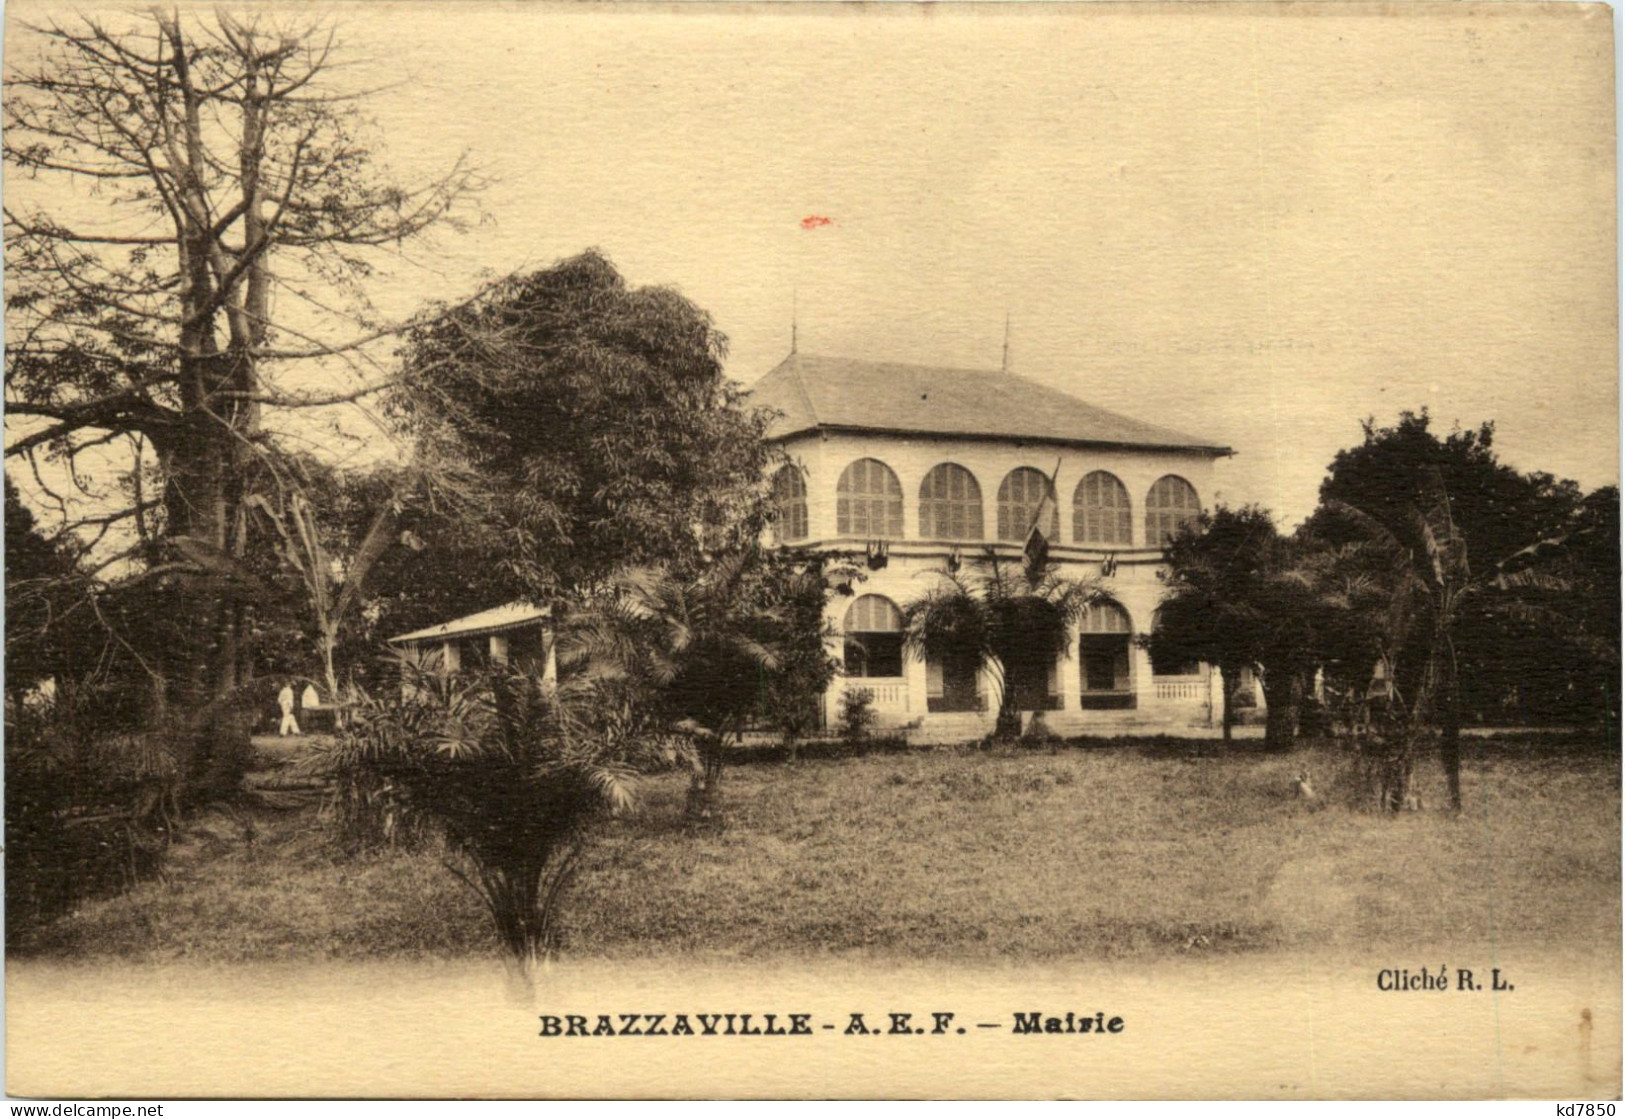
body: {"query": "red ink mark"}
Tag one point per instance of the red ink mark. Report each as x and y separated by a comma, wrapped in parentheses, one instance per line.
(813, 221)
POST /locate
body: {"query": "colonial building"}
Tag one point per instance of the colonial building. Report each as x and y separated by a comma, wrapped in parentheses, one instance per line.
(916, 468)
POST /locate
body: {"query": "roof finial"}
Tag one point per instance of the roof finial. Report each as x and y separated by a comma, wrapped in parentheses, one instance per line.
(1004, 366)
(792, 320)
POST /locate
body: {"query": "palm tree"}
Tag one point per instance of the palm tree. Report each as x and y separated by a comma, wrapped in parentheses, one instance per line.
(1008, 617)
(696, 652)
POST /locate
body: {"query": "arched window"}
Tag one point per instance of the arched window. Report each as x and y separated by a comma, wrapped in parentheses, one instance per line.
(1171, 503)
(1106, 617)
(874, 637)
(1021, 494)
(950, 504)
(1100, 511)
(1103, 653)
(790, 505)
(869, 501)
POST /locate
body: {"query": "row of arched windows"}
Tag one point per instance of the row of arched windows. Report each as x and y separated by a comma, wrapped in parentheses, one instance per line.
(869, 504)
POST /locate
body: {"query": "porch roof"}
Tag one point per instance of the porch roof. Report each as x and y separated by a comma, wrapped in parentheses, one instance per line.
(513, 615)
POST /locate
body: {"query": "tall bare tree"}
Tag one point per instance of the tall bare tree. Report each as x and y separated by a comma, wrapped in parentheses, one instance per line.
(193, 209)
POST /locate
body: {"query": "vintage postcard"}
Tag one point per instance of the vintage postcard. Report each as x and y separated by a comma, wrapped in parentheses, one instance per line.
(812, 550)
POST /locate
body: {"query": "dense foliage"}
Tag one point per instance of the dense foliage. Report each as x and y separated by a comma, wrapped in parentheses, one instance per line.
(600, 419)
(741, 642)
(39, 593)
(1555, 664)
(1232, 601)
(1418, 606)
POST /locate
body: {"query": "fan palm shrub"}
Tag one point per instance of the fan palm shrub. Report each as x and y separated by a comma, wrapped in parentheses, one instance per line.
(511, 772)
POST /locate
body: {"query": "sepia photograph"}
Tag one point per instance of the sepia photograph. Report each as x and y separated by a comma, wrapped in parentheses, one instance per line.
(812, 551)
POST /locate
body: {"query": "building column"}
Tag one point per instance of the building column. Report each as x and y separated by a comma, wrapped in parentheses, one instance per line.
(550, 664)
(835, 649)
(451, 656)
(1140, 675)
(1070, 671)
(988, 683)
(914, 676)
(499, 648)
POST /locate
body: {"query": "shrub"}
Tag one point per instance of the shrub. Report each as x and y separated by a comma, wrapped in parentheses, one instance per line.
(89, 806)
(857, 717)
(509, 772)
(1314, 718)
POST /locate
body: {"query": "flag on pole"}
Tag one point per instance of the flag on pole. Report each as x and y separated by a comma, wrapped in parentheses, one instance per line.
(1037, 547)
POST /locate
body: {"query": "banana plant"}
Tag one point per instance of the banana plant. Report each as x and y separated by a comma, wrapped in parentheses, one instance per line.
(1422, 558)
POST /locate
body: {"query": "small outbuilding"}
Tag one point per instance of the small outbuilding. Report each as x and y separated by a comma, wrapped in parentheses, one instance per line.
(516, 634)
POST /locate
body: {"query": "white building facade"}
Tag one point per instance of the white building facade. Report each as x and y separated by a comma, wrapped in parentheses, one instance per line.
(915, 469)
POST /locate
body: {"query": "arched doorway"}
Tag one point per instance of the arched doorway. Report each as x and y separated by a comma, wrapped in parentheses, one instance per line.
(1105, 634)
(874, 638)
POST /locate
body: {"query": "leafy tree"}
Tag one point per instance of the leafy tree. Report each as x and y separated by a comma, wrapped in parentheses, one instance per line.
(38, 569)
(1558, 663)
(1352, 615)
(87, 804)
(793, 588)
(170, 174)
(624, 479)
(600, 417)
(1011, 618)
(1234, 601)
(1392, 476)
(1593, 621)
(327, 533)
(1297, 614)
(1496, 509)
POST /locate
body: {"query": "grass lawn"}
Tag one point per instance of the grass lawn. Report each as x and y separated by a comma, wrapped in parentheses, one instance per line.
(1108, 851)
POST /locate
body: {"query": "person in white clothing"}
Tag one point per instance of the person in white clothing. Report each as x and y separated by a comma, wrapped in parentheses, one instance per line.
(284, 700)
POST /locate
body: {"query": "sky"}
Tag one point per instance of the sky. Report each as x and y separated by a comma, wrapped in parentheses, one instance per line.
(1255, 226)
